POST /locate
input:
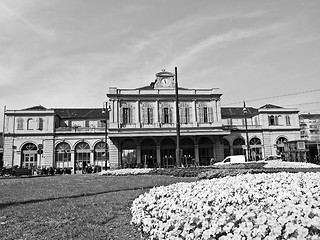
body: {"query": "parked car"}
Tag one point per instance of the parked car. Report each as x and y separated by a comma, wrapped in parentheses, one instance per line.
(272, 158)
(232, 159)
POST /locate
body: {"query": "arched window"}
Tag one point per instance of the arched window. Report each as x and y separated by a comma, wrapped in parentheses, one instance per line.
(29, 155)
(20, 123)
(255, 148)
(255, 141)
(30, 124)
(82, 155)
(273, 120)
(63, 155)
(40, 124)
(238, 146)
(226, 147)
(280, 144)
(288, 123)
(100, 153)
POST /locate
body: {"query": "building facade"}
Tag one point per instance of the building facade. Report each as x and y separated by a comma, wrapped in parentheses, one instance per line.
(310, 132)
(268, 128)
(54, 137)
(141, 130)
(142, 124)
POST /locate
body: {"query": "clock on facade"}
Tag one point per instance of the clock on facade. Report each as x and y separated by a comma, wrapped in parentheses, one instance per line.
(166, 82)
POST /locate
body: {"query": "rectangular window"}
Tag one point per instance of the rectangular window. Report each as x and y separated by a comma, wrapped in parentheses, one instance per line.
(148, 115)
(20, 124)
(205, 115)
(126, 116)
(166, 115)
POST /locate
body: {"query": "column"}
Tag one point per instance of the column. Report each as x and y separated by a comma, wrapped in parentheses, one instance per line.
(73, 164)
(92, 157)
(218, 111)
(194, 120)
(116, 113)
(196, 153)
(138, 114)
(158, 156)
(139, 156)
(113, 155)
(215, 112)
(157, 113)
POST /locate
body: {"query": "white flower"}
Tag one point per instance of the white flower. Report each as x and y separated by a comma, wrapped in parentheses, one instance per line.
(247, 206)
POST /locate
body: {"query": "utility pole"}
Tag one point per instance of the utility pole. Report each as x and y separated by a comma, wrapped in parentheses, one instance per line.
(106, 110)
(178, 150)
(245, 112)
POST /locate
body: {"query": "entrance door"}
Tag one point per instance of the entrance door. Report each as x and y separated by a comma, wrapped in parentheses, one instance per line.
(82, 157)
(29, 156)
(29, 159)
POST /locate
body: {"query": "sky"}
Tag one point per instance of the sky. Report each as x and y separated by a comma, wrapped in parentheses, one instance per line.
(67, 53)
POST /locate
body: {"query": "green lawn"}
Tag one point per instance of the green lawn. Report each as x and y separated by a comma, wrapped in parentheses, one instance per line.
(73, 206)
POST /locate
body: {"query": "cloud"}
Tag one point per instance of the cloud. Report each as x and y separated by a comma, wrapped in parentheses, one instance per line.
(14, 18)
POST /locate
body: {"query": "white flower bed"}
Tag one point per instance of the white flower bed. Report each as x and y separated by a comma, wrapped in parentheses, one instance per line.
(284, 164)
(259, 206)
(126, 171)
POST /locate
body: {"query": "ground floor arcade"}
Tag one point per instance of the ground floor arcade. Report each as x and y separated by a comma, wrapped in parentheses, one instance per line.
(161, 151)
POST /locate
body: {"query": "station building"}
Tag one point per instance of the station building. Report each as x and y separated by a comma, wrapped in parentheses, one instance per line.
(141, 129)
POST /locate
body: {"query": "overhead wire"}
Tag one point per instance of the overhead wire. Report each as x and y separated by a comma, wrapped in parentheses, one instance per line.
(278, 96)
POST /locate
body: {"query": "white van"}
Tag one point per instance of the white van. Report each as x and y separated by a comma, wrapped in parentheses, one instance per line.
(232, 159)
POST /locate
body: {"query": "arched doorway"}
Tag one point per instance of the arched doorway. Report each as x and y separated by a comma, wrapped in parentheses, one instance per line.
(82, 156)
(205, 151)
(188, 156)
(280, 144)
(256, 149)
(100, 154)
(168, 152)
(226, 148)
(148, 153)
(237, 146)
(129, 153)
(63, 155)
(29, 155)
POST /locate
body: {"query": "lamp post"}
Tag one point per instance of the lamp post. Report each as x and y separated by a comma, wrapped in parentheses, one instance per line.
(245, 112)
(106, 109)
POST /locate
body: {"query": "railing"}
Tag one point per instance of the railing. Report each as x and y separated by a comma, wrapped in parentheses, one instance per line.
(80, 129)
(241, 127)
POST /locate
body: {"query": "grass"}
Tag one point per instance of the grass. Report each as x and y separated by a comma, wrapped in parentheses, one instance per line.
(73, 206)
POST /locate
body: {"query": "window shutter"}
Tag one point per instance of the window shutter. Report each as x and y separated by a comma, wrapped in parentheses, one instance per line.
(183, 114)
(40, 124)
(201, 114)
(144, 115)
(130, 117)
(121, 115)
(188, 119)
(170, 115)
(210, 115)
(162, 115)
(20, 123)
(150, 110)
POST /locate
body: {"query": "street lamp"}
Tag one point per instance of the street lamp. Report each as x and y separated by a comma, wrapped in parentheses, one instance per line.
(106, 109)
(245, 112)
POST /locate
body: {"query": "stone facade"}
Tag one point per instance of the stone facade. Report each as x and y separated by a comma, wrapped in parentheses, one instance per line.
(142, 130)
